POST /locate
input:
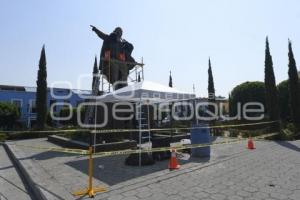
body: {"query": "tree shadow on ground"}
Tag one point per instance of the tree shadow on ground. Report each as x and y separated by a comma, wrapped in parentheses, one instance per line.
(13, 184)
(112, 170)
(289, 145)
(7, 167)
(47, 155)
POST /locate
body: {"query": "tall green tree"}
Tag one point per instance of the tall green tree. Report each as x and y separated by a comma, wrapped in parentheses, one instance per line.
(211, 90)
(41, 93)
(95, 71)
(294, 89)
(211, 87)
(170, 80)
(272, 101)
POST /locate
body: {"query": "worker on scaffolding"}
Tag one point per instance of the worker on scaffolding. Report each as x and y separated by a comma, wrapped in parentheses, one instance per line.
(115, 57)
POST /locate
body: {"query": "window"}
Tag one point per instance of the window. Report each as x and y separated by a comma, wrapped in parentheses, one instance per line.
(18, 103)
(32, 106)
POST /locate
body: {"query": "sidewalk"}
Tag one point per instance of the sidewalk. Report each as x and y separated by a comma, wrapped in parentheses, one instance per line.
(11, 185)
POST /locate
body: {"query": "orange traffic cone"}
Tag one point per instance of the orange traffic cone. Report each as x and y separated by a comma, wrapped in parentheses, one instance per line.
(173, 160)
(250, 144)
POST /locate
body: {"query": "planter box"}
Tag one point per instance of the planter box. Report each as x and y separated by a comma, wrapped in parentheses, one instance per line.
(69, 143)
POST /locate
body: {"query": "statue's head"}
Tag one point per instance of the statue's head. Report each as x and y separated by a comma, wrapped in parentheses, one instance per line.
(118, 31)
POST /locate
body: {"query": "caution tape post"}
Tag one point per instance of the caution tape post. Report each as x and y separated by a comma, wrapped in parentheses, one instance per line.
(90, 191)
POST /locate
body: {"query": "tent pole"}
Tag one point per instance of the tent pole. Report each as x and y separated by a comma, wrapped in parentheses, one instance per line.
(140, 133)
(149, 127)
(95, 118)
(136, 74)
(143, 69)
(171, 121)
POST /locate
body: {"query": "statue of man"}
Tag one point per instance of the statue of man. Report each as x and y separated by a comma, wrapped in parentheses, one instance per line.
(118, 51)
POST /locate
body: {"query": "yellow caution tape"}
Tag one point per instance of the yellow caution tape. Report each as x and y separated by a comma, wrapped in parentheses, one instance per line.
(138, 130)
(49, 131)
(189, 146)
(165, 129)
(130, 151)
(63, 150)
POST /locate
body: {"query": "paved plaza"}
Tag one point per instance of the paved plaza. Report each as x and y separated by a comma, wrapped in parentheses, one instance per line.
(271, 171)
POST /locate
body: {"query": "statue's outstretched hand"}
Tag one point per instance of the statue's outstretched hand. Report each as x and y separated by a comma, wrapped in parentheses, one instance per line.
(100, 34)
(93, 28)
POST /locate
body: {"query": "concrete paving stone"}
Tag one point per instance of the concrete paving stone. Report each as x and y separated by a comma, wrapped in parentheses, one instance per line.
(228, 192)
(295, 195)
(200, 195)
(279, 196)
(143, 195)
(260, 195)
(130, 198)
(211, 191)
(159, 196)
(11, 184)
(170, 191)
(250, 189)
(218, 196)
(235, 197)
(115, 197)
(130, 193)
(243, 194)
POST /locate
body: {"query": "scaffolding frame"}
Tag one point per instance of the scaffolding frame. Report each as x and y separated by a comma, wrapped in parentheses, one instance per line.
(138, 70)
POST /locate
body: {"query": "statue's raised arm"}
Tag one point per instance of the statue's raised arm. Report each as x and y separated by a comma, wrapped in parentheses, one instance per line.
(100, 34)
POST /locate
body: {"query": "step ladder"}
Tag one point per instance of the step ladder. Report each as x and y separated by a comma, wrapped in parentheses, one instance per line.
(143, 123)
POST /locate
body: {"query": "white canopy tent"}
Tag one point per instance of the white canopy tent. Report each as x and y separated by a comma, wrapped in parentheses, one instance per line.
(145, 91)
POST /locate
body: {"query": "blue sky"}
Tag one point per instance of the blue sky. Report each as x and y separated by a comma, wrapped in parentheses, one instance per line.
(169, 35)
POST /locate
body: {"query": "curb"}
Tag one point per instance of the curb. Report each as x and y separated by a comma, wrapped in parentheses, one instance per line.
(30, 183)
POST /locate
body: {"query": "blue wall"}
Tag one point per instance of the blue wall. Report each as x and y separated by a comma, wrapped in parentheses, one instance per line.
(27, 96)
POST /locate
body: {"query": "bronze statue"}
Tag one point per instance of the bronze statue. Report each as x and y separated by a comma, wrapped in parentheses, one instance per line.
(115, 57)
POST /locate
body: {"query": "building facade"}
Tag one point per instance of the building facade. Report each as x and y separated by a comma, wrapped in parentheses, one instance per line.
(24, 99)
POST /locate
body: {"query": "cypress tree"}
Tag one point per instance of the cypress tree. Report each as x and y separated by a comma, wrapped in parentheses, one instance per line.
(294, 88)
(95, 71)
(170, 80)
(270, 86)
(41, 93)
(211, 87)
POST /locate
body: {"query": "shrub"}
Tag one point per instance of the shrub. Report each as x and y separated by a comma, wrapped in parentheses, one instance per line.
(289, 132)
(246, 92)
(3, 137)
(64, 112)
(9, 114)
